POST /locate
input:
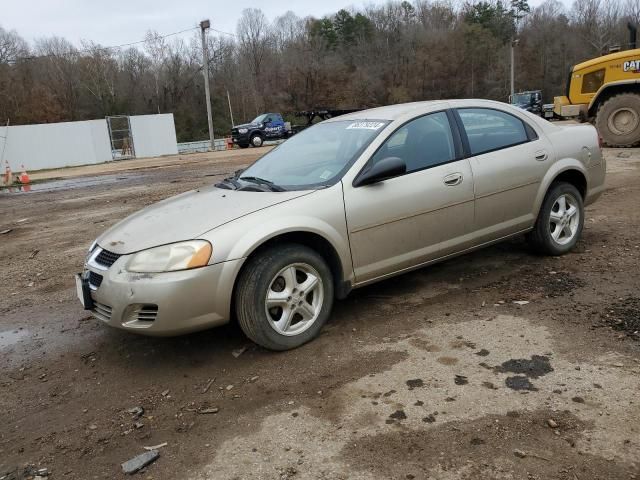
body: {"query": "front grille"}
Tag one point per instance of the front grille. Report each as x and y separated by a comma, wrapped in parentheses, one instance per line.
(95, 279)
(107, 258)
(101, 311)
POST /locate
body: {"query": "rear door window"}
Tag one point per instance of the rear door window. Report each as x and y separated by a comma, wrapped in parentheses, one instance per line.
(489, 130)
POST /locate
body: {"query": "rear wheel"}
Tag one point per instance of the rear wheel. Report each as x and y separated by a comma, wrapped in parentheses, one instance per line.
(284, 297)
(618, 120)
(243, 145)
(560, 220)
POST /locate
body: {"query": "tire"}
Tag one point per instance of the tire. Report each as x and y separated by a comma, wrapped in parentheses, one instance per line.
(270, 274)
(556, 230)
(256, 140)
(243, 145)
(618, 120)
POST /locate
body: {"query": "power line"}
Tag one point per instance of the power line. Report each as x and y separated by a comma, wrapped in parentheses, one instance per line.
(113, 47)
(220, 31)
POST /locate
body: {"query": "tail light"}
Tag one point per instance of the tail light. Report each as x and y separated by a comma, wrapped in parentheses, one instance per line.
(600, 142)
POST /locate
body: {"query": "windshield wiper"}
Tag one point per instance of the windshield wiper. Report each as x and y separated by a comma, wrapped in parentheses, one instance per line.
(262, 181)
(227, 182)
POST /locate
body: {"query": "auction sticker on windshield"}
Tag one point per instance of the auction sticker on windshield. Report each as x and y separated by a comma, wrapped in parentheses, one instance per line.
(366, 125)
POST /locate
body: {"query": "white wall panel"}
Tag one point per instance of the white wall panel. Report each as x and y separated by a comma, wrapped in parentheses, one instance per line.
(154, 135)
(54, 145)
(66, 144)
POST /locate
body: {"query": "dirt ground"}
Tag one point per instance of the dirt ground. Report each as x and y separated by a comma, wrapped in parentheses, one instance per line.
(435, 374)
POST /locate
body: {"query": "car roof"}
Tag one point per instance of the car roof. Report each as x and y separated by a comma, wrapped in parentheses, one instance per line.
(389, 112)
(392, 112)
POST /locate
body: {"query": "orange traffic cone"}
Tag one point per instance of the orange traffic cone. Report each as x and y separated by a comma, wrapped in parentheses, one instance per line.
(24, 176)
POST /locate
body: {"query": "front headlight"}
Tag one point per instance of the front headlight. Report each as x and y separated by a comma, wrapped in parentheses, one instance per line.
(243, 130)
(172, 257)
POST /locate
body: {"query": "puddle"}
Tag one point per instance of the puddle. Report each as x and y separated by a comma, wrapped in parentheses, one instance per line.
(69, 184)
(520, 382)
(11, 337)
(536, 367)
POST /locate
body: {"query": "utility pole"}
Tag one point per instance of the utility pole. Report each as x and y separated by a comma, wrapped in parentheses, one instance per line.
(514, 42)
(204, 26)
(230, 111)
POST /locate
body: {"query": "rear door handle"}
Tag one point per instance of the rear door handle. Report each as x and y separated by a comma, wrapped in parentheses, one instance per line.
(453, 179)
(541, 155)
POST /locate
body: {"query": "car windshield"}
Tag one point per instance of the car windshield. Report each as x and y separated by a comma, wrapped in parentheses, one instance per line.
(317, 156)
(259, 118)
(521, 98)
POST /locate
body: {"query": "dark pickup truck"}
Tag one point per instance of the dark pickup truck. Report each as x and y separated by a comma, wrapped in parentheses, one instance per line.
(271, 126)
(268, 126)
(531, 101)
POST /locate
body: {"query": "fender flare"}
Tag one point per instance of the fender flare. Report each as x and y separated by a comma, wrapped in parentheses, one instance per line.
(606, 87)
(254, 131)
(258, 236)
(554, 171)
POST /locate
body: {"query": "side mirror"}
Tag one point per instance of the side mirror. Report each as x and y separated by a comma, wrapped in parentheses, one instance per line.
(384, 169)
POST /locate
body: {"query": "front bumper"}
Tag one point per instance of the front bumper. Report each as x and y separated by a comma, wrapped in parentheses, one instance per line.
(164, 304)
(240, 138)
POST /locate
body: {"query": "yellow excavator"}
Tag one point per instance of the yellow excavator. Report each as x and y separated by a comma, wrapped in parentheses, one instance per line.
(606, 91)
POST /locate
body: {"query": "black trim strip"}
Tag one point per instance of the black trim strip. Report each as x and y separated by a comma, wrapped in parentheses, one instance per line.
(463, 133)
(457, 138)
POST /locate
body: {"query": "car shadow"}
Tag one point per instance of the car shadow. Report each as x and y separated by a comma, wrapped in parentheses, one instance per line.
(216, 346)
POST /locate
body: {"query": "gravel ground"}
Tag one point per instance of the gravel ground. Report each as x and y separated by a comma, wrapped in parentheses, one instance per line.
(435, 374)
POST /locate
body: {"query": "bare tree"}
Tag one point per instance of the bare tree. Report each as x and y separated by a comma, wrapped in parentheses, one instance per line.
(254, 37)
(597, 21)
(399, 50)
(12, 46)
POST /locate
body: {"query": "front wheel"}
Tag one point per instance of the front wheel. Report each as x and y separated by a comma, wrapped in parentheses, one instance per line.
(284, 297)
(257, 141)
(560, 220)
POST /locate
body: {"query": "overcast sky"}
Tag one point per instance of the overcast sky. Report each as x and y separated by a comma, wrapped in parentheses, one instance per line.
(114, 22)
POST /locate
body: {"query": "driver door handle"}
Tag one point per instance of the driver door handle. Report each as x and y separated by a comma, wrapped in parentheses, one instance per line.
(453, 179)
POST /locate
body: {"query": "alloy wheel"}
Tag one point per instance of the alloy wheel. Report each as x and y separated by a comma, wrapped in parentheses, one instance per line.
(564, 219)
(294, 299)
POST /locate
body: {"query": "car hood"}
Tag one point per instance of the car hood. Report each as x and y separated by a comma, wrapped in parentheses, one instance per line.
(186, 216)
(248, 125)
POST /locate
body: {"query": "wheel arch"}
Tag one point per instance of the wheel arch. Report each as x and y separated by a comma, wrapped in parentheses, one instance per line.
(571, 171)
(608, 90)
(575, 178)
(313, 240)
